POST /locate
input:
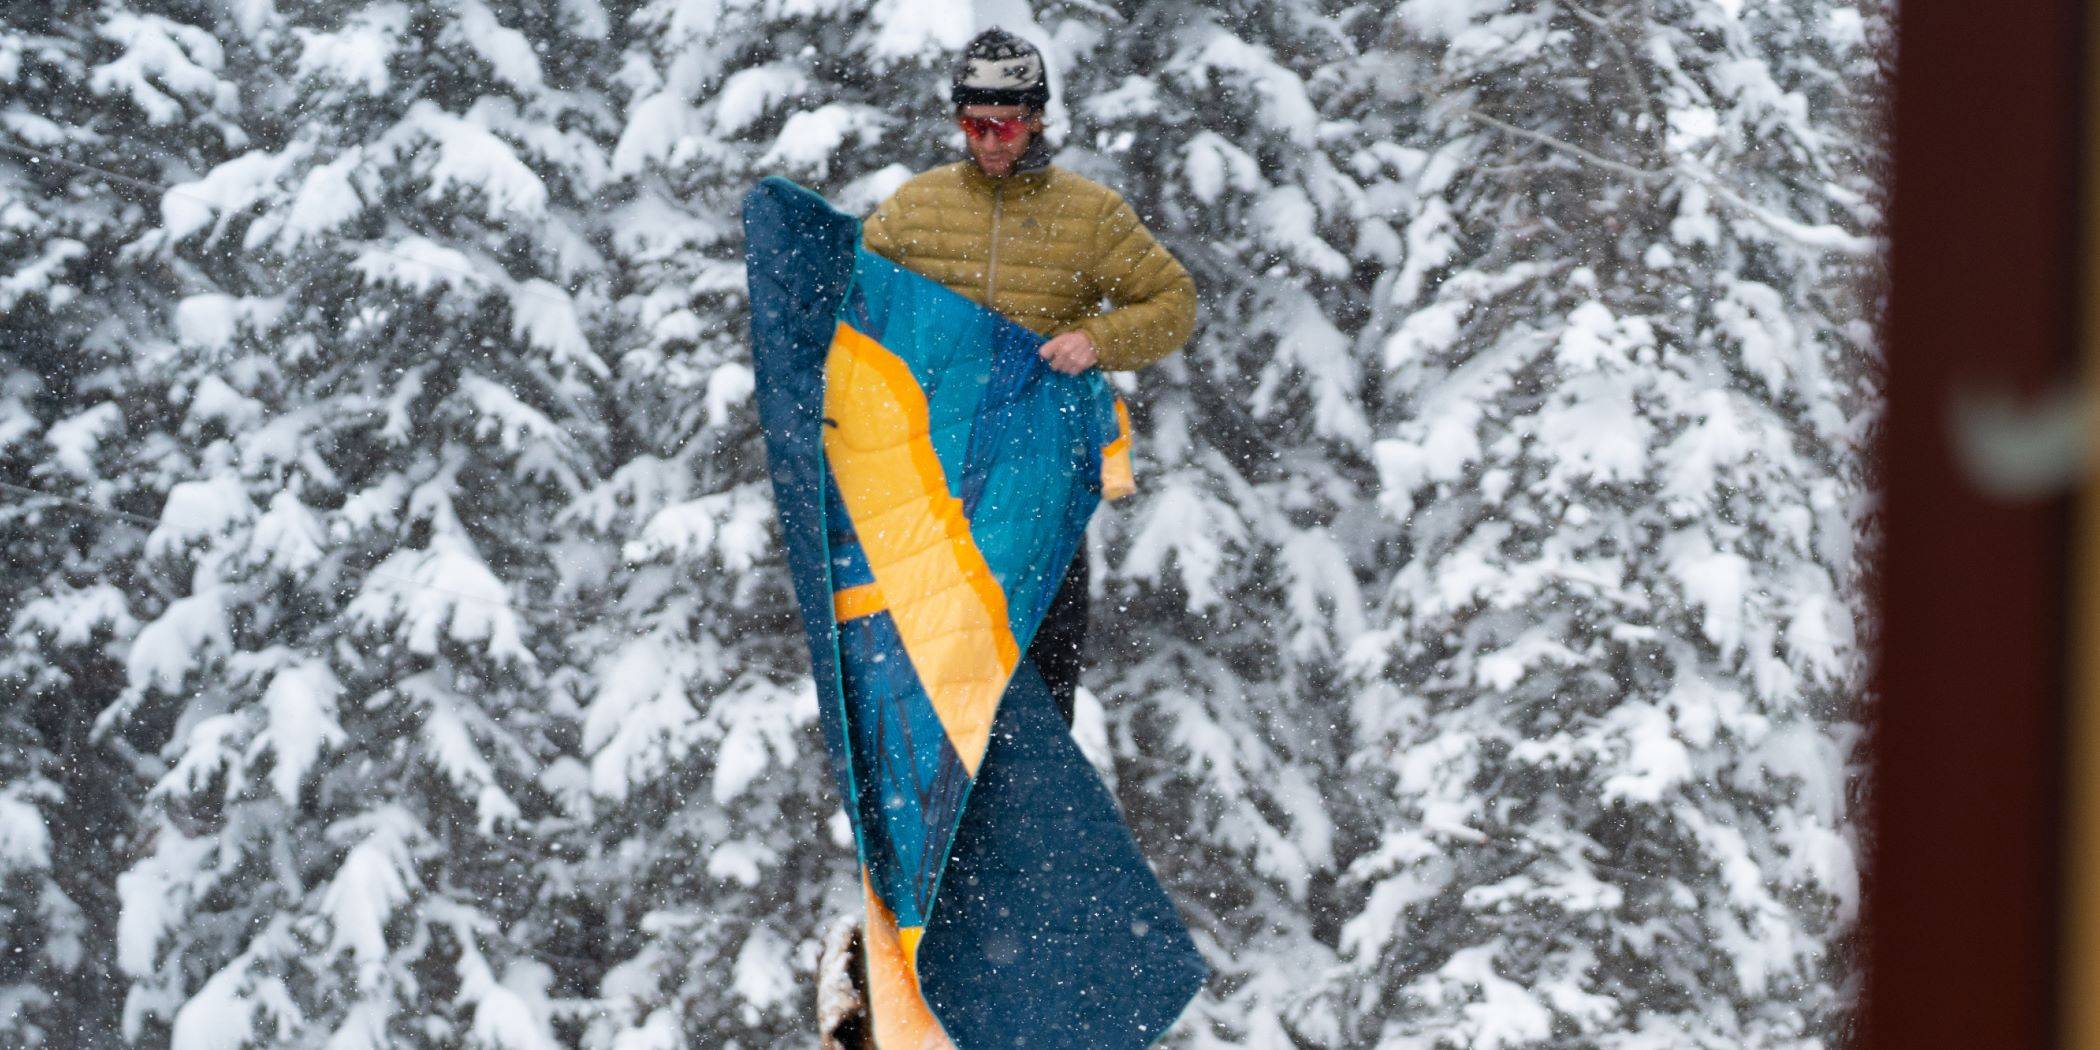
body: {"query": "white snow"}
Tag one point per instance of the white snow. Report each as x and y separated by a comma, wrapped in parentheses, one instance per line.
(740, 862)
(545, 316)
(1288, 218)
(358, 53)
(920, 27)
(419, 264)
(1279, 93)
(211, 320)
(25, 841)
(197, 511)
(444, 592)
(652, 133)
(454, 153)
(288, 536)
(225, 191)
(1212, 163)
(364, 1027)
(1754, 317)
(504, 1019)
(158, 56)
(155, 896)
(219, 1016)
(189, 634)
(757, 731)
(861, 195)
(300, 704)
(72, 616)
(451, 747)
(1192, 528)
(75, 440)
(749, 94)
(728, 526)
(1717, 582)
(640, 719)
(327, 198)
(1445, 19)
(376, 877)
(1655, 761)
(762, 975)
(506, 50)
(215, 401)
(1504, 1014)
(811, 137)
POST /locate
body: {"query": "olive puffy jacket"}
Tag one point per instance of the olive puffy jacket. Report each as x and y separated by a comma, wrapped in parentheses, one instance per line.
(1045, 248)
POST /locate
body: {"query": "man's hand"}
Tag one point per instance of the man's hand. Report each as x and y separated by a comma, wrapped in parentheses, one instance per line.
(1070, 353)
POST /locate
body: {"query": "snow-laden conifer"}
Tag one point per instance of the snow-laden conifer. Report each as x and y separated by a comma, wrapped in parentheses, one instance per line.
(96, 100)
(387, 390)
(1627, 379)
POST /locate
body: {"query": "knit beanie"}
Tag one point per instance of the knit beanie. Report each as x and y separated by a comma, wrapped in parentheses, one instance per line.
(1001, 69)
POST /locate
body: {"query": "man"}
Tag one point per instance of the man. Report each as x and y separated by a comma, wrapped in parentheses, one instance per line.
(1045, 247)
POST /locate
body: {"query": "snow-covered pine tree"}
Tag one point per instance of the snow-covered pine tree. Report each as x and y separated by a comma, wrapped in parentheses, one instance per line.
(96, 98)
(719, 843)
(1232, 582)
(1628, 378)
(385, 392)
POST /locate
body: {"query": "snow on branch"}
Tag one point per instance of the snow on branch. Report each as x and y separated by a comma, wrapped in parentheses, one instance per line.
(1821, 236)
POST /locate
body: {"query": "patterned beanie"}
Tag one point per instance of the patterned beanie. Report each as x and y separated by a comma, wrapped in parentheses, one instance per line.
(1001, 69)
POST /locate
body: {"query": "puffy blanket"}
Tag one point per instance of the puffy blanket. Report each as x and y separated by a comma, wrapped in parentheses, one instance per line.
(934, 479)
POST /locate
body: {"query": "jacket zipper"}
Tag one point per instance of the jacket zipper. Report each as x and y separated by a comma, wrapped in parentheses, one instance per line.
(991, 266)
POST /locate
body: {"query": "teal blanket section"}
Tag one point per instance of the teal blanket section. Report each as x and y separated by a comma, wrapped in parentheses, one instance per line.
(1044, 926)
(1020, 444)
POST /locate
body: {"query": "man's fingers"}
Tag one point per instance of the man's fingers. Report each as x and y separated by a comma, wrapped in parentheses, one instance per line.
(1066, 353)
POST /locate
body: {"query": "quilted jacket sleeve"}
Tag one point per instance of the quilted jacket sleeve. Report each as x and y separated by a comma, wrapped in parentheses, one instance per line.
(1153, 295)
(878, 232)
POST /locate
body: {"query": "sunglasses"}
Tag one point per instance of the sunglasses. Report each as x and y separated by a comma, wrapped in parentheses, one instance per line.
(1005, 129)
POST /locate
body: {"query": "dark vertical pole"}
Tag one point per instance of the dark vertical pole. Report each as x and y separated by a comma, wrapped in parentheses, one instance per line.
(1962, 887)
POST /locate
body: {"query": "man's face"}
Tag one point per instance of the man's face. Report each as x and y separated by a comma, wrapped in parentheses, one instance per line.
(997, 156)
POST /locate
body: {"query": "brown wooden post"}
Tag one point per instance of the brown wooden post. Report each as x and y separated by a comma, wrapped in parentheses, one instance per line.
(1963, 877)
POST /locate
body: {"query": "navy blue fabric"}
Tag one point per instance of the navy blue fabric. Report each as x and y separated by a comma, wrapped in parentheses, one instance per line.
(1061, 640)
(798, 259)
(1052, 932)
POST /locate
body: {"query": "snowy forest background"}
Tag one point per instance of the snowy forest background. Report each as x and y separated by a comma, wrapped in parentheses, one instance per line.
(397, 650)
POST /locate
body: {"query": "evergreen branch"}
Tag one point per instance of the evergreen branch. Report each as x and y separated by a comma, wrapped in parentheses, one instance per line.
(148, 522)
(81, 505)
(504, 283)
(1628, 68)
(37, 156)
(1563, 146)
(1824, 236)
